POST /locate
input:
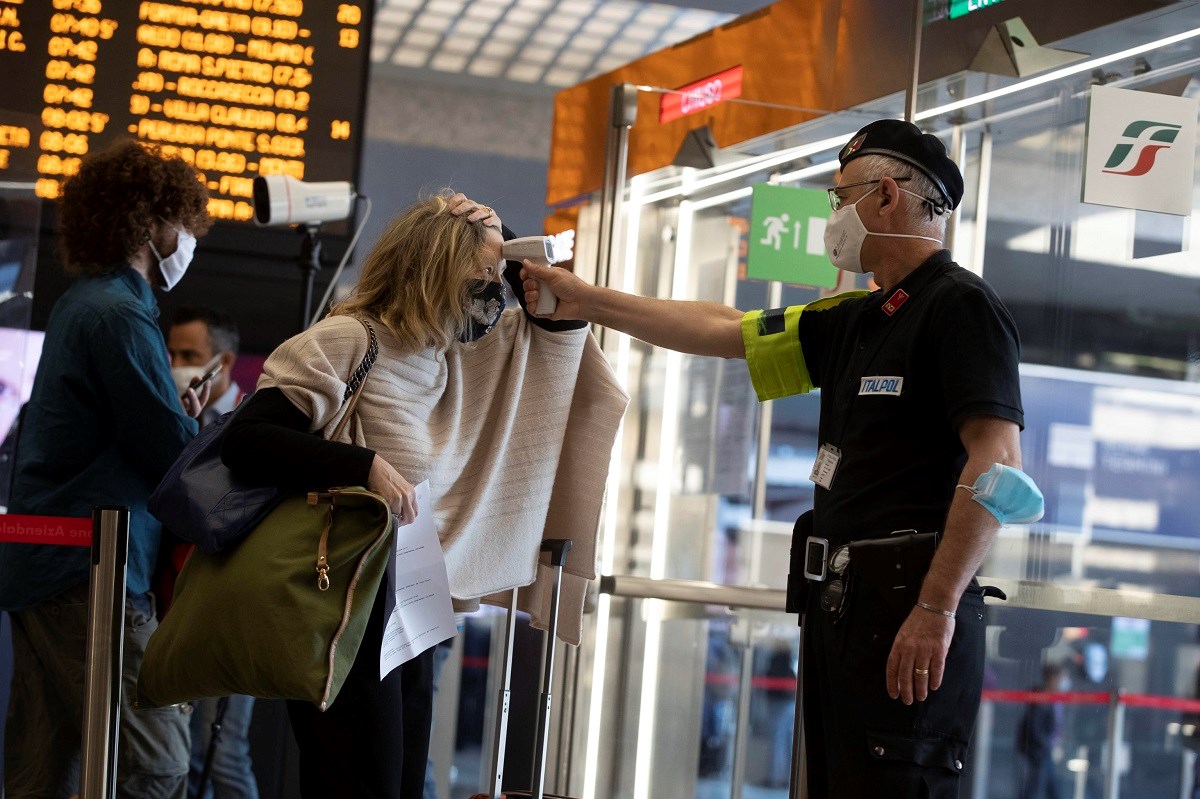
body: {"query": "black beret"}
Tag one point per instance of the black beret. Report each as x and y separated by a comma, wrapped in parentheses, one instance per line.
(905, 142)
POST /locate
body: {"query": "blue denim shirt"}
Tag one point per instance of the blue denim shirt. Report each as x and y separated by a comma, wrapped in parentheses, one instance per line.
(102, 426)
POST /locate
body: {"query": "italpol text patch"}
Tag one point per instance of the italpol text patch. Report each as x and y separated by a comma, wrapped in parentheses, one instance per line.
(886, 386)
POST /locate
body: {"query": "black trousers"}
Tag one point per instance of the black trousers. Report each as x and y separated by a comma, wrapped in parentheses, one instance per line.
(862, 743)
(373, 741)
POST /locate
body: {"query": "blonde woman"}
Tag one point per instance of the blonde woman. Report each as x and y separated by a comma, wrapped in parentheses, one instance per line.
(462, 394)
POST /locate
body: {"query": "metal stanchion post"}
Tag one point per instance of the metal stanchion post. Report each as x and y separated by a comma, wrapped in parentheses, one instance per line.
(910, 93)
(798, 784)
(1081, 775)
(500, 734)
(741, 728)
(982, 747)
(566, 728)
(105, 645)
(622, 116)
(1116, 734)
(558, 557)
(1187, 765)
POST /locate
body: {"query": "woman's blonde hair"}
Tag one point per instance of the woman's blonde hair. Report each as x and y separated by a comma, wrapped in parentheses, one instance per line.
(416, 281)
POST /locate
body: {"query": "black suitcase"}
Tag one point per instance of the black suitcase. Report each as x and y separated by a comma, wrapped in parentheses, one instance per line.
(558, 549)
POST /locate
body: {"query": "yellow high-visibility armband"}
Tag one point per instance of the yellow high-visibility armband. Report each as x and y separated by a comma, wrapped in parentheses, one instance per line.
(774, 354)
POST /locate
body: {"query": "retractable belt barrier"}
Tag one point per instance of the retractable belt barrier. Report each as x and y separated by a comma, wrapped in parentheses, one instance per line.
(107, 533)
(1093, 698)
(764, 683)
(61, 530)
(1116, 702)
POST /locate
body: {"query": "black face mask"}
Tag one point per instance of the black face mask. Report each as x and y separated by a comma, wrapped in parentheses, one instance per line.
(484, 307)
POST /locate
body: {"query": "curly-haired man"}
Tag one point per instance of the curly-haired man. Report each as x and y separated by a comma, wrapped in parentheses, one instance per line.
(103, 424)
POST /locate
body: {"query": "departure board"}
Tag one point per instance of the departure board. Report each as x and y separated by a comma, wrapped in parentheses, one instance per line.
(238, 88)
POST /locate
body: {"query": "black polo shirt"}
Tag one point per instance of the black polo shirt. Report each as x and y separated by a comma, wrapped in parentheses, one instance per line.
(899, 374)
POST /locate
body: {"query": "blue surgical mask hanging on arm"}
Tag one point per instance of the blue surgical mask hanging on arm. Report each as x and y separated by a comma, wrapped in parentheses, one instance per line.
(1008, 494)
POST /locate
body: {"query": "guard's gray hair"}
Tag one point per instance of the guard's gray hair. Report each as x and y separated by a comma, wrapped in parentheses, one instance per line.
(874, 167)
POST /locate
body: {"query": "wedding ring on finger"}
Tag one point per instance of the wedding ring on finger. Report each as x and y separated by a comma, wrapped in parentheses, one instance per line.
(921, 672)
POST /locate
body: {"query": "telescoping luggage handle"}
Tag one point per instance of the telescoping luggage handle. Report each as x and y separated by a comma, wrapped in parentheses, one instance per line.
(558, 549)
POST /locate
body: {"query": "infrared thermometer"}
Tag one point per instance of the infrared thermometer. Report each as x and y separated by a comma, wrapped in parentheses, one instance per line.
(540, 250)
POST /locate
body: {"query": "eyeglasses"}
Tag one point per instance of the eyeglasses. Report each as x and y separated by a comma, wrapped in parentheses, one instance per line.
(835, 200)
(833, 594)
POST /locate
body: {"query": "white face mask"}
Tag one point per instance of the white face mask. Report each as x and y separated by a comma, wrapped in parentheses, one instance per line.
(845, 234)
(184, 375)
(175, 264)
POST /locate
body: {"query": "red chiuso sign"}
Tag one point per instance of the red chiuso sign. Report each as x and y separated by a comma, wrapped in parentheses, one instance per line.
(703, 94)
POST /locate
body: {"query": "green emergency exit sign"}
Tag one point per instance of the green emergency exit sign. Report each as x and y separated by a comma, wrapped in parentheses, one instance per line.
(787, 236)
(960, 8)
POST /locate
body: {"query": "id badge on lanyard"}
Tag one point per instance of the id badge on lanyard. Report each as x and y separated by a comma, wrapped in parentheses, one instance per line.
(825, 468)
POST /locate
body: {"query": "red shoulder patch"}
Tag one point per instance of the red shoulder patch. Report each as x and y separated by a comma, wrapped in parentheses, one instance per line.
(895, 301)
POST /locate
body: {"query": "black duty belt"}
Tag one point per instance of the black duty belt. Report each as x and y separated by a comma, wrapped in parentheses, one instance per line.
(894, 565)
(820, 560)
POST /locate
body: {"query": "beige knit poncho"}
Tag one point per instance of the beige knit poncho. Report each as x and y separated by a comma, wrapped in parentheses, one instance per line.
(514, 433)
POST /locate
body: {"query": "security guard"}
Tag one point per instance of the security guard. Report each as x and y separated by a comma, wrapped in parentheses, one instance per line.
(920, 415)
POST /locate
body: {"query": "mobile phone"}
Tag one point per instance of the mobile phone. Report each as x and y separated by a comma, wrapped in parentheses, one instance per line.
(211, 370)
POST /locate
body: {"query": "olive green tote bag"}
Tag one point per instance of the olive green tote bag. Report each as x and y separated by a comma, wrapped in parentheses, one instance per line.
(282, 614)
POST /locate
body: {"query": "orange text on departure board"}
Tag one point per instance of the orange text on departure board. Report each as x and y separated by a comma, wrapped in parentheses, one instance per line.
(225, 84)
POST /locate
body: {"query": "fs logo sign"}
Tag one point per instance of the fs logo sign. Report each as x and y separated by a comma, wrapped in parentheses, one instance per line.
(1151, 137)
(1141, 151)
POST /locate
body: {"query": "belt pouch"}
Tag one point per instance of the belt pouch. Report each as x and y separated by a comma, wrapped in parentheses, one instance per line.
(894, 567)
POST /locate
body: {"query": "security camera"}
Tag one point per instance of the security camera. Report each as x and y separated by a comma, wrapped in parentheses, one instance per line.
(284, 200)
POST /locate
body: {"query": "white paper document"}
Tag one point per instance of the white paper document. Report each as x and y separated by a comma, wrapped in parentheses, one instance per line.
(419, 611)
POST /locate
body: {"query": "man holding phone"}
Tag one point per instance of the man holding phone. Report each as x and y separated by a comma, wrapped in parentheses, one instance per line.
(203, 345)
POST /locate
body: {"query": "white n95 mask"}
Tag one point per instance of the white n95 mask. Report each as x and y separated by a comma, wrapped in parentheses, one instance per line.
(845, 234)
(175, 264)
(1008, 494)
(184, 375)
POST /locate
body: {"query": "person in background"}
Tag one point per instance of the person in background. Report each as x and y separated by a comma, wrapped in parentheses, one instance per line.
(1088, 724)
(781, 703)
(920, 398)
(103, 425)
(718, 716)
(1038, 732)
(198, 337)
